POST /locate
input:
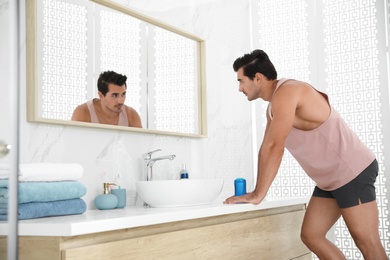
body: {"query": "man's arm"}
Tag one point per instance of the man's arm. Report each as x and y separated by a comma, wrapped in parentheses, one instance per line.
(134, 118)
(81, 114)
(284, 105)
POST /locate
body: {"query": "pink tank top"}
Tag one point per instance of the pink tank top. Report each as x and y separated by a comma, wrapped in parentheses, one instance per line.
(331, 154)
(123, 121)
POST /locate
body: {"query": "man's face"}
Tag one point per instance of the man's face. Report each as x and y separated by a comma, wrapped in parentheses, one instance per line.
(246, 85)
(115, 97)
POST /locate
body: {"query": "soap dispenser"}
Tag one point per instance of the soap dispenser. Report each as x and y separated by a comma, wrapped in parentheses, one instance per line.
(106, 200)
(184, 172)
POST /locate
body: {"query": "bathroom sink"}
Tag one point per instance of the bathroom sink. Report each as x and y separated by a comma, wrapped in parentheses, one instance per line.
(178, 193)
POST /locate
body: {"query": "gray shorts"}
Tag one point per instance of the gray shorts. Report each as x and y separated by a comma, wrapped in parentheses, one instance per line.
(361, 188)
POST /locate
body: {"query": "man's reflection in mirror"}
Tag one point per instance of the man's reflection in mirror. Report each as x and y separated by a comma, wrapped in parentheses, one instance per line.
(109, 108)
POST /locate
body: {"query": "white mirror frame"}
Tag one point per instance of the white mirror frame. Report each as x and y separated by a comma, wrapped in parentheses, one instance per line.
(32, 73)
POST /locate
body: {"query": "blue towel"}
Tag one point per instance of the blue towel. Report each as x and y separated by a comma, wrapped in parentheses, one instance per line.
(48, 209)
(44, 191)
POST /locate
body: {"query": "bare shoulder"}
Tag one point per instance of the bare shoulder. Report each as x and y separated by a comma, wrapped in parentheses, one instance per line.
(293, 85)
(134, 118)
(295, 90)
(289, 91)
(81, 113)
(310, 107)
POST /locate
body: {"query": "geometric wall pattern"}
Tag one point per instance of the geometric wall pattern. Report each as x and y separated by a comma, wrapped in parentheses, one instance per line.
(120, 51)
(63, 58)
(174, 82)
(72, 60)
(352, 76)
(351, 81)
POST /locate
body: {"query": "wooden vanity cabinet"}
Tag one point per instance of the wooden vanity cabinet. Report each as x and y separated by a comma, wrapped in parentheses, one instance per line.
(262, 234)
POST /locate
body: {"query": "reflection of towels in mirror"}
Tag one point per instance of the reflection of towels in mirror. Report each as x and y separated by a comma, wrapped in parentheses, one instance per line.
(45, 172)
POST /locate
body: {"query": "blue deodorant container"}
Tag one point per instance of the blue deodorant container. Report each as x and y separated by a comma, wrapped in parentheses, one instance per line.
(239, 186)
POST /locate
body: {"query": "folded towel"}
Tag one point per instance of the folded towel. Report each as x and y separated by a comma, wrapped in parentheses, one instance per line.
(45, 172)
(47, 209)
(44, 191)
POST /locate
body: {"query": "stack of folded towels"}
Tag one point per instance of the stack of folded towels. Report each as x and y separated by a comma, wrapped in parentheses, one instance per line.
(45, 189)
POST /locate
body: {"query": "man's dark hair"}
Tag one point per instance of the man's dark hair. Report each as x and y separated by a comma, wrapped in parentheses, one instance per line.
(108, 77)
(256, 61)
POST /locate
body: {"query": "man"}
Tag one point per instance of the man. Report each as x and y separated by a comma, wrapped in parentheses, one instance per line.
(109, 108)
(301, 119)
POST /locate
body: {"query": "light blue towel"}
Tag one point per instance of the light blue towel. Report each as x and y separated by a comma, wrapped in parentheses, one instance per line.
(48, 209)
(44, 191)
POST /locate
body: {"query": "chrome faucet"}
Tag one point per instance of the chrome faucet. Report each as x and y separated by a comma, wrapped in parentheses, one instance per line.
(148, 156)
(150, 162)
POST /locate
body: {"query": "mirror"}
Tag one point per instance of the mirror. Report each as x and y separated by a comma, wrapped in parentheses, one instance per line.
(70, 42)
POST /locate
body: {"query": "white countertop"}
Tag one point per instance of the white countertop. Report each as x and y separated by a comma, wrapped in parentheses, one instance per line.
(94, 221)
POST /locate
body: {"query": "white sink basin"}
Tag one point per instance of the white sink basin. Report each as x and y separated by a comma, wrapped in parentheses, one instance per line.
(177, 193)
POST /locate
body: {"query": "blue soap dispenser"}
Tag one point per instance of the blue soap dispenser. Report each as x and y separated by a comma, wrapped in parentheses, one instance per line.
(184, 172)
(106, 200)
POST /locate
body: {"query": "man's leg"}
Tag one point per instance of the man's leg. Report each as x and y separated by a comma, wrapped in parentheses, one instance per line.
(321, 215)
(362, 223)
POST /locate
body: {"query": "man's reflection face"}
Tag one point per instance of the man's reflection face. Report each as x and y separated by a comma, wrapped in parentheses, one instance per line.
(115, 97)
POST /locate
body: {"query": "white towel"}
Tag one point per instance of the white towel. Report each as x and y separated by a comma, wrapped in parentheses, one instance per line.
(46, 172)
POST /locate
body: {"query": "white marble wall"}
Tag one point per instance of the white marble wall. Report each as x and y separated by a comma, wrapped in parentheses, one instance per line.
(4, 70)
(115, 155)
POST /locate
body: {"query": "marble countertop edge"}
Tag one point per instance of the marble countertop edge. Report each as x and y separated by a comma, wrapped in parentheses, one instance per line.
(94, 221)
